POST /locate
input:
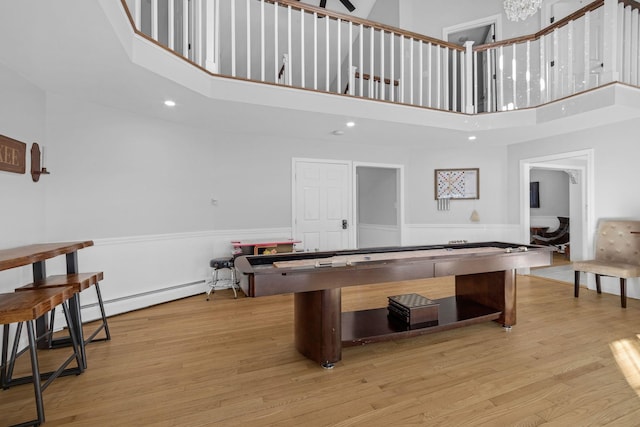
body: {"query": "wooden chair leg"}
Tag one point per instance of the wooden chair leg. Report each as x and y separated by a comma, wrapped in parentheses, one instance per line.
(623, 292)
(576, 281)
(598, 288)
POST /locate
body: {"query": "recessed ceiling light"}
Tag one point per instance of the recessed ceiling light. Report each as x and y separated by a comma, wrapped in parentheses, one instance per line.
(338, 132)
(472, 138)
(351, 124)
(170, 103)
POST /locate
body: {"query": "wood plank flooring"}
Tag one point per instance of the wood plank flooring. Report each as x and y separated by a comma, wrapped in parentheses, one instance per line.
(226, 362)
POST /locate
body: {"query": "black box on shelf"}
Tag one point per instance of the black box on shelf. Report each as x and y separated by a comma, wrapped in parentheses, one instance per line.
(413, 309)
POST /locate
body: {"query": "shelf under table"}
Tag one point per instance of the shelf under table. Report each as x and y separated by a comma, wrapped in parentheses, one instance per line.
(368, 326)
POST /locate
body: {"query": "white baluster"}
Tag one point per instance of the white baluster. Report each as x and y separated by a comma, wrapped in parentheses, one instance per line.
(429, 73)
(438, 77)
(544, 73)
(315, 50)
(276, 63)
(302, 44)
(626, 68)
(470, 83)
(154, 19)
(170, 26)
(289, 63)
(490, 83)
(327, 60)
(402, 78)
(411, 65)
(350, 66)
(587, 51)
(211, 29)
(555, 92)
(185, 28)
(248, 39)
(570, 86)
(501, 105)
(421, 73)
(454, 79)
(476, 67)
(371, 63)
(445, 77)
(262, 43)
(392, 88)
(233, 38)
(634, 47)
(137, 14)
(339, 57)
(382, 84)
(514, 76)
(199, 15)
(361, 61)
(528, 74)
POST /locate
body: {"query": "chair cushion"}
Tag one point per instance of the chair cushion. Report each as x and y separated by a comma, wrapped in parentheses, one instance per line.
(221, 263)
(605, 268)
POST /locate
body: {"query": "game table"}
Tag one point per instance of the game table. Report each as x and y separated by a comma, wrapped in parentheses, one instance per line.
(258, 247)
(485, 289)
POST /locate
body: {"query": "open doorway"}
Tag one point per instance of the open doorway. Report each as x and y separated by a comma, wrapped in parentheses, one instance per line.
(379, 207)
(577, 170)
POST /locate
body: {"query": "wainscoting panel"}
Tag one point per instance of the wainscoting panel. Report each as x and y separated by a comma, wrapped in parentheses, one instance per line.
(146, 270)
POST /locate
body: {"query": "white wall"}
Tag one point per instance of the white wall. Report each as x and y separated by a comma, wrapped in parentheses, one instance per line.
(22, 206)
(421, 206)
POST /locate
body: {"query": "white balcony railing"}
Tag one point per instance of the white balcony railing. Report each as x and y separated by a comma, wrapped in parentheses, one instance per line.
(290, 43)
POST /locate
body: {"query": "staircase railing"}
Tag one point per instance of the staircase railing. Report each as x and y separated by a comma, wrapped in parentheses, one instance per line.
(292, 43)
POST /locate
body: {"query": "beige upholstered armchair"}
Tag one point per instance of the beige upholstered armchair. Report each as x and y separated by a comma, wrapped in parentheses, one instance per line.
(617, 255)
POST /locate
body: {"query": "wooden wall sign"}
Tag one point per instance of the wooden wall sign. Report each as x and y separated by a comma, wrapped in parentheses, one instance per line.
(12, 155)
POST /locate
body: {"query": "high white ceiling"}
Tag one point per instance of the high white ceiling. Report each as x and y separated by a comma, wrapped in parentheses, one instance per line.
(86, 50)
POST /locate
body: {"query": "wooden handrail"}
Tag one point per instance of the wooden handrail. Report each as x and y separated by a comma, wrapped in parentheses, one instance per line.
(295, 4)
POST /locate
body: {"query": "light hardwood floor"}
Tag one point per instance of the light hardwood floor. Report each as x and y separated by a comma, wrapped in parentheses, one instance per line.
(226, 362)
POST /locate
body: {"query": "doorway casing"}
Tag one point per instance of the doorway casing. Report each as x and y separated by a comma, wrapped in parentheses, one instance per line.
(581, 207)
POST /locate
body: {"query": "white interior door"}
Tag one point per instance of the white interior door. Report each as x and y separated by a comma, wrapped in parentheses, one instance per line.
(322, 215)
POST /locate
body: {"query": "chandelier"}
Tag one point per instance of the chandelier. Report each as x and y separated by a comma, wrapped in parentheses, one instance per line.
(521, 9)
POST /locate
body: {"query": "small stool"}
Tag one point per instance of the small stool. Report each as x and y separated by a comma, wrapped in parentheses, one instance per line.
(218, 264)
(78, 282)
(26, 307)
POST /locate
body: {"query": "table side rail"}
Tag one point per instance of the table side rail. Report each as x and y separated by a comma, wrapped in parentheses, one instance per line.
(258, 285)
(496, 263)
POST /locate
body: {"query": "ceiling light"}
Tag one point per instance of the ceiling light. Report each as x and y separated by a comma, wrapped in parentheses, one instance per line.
(521, 9)
(338, 132)
(351, 124)
(170, 103)
(472, 138)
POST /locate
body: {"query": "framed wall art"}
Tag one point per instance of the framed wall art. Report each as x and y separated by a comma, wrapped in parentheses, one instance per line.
(457, 183)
